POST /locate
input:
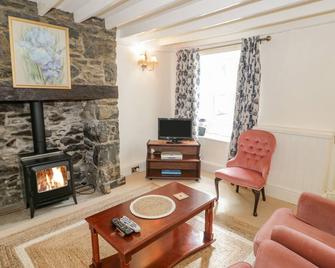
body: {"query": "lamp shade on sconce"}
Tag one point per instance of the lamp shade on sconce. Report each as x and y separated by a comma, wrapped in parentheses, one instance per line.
(147, 63)
(153, 59)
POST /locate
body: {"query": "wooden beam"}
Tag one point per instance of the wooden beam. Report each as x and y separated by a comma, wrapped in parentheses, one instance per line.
(92, 8)
(276, 17)
(132, 10)
(77, 93)
(241, 12)
(189, 10)
(44, 6)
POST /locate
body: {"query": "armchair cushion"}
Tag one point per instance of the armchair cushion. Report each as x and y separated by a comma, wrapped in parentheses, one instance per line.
(241, 176)
(311, 249)
(285, 216)
(317, 211)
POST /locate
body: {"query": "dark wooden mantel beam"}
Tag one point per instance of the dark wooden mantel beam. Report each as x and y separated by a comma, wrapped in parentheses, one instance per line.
(77, 93)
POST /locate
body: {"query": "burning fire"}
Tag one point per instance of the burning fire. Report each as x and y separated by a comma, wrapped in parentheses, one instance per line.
(51, 178)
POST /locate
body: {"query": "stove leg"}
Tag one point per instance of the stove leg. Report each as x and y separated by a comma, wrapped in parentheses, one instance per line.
(74, 198)
(32, 208)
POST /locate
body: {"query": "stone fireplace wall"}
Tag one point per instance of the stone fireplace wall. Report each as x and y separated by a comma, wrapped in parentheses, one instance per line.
(88, 130)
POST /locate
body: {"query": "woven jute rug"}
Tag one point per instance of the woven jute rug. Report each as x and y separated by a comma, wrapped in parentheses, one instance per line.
(65, 241)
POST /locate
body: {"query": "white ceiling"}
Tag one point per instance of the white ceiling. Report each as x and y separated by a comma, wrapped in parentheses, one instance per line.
(201, 23)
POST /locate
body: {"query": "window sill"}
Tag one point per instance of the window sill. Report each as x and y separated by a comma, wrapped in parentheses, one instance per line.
(215, 138)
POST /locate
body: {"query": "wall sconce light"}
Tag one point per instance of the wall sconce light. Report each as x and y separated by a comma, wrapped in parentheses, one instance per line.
(147, 63)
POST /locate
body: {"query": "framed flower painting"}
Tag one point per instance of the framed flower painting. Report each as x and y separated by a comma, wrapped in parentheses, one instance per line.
(40, 54)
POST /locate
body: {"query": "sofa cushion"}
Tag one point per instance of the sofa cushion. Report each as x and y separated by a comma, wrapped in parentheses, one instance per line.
(307, 247)
(285, 216)
(273, 255)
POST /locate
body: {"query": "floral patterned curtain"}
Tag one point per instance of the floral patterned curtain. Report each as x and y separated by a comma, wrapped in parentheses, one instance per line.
(187, 86)
(247, 93)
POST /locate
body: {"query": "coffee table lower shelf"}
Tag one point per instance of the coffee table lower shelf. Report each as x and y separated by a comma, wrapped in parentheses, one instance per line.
(167, 251)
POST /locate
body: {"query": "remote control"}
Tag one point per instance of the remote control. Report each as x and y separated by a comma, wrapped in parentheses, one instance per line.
(131, 224)
(122, 228)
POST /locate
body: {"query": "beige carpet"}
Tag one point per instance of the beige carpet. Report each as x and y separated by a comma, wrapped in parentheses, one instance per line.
(65, 241)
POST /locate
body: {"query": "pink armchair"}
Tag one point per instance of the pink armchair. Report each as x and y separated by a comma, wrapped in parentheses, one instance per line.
(250, 167)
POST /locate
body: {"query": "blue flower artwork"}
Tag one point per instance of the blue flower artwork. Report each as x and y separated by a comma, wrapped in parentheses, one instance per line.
(40, 54)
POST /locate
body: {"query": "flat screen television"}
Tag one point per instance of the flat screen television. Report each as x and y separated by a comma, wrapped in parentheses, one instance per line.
(174, 129)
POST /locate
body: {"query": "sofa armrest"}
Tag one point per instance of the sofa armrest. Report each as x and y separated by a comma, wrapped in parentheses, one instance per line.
(274, 255)
(307, 247)
(317, 211)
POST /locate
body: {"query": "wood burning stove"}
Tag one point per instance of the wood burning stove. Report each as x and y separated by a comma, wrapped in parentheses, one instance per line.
(47, 174)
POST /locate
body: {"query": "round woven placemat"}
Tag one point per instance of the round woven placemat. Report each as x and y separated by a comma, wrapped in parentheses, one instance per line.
(152, 206)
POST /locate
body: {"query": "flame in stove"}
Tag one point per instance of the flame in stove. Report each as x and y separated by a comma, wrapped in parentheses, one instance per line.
(57, 177)
(52, 178)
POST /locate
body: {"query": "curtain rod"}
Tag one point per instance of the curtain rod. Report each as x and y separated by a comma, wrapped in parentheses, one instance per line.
(267, 38)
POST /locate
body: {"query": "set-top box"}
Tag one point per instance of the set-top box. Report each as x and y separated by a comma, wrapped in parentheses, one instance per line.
(171, 156)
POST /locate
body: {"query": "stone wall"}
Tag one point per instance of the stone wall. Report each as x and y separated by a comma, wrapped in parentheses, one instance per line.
(86, 130)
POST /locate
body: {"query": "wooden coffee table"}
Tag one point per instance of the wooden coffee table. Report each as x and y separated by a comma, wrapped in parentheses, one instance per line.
(162, 242)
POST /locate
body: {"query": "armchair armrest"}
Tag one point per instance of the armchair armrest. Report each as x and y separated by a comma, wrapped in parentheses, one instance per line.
(274, 255)
(309, 248)
(317, 211)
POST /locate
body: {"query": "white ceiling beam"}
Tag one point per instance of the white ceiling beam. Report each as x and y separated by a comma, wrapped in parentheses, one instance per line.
(219, 18)
(44, 6)
(69, 5)
(189, 10)
(277, 17)
(132, 10)
(263, 31)
(92, 8)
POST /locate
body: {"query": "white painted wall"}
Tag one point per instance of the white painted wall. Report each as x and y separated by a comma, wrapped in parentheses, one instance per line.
(298, 92)
(143, 97)
(298, 79)
(214, 154)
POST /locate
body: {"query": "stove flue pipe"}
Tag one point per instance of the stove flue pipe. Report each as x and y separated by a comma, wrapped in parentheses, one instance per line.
(38, 128)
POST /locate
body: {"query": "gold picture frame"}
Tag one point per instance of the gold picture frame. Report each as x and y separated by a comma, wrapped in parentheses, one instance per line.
(40, 54)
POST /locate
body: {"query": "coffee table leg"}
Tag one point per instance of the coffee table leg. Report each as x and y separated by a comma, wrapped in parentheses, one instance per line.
(209, 222)
(124, 261)
(95, 248)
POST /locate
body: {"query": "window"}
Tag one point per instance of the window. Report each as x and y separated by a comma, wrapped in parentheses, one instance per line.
(217, 93)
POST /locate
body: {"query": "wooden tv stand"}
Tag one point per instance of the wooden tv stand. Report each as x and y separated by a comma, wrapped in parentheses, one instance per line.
(189, 165)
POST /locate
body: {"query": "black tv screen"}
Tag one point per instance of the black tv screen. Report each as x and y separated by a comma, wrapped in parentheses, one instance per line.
(174, 129)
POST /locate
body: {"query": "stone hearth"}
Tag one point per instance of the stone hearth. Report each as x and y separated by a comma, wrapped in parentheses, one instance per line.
(87, 130)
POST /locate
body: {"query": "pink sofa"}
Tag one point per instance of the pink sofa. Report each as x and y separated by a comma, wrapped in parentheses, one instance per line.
(315, 218)
(304, 239)
(274, 255)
